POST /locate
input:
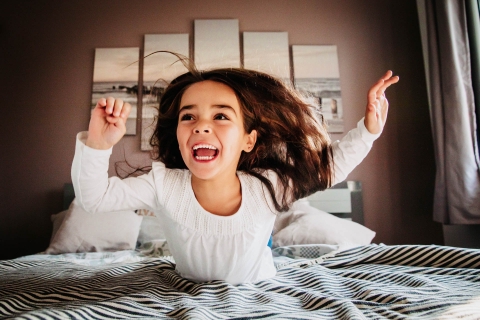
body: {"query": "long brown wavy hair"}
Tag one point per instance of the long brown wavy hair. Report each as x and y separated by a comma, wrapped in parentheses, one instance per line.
(292, 140)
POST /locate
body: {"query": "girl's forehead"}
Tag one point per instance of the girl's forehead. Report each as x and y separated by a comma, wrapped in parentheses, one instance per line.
(209, 92)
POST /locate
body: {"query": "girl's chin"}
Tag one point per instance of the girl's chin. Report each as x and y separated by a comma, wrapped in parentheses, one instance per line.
(204, 176)
(204, 170)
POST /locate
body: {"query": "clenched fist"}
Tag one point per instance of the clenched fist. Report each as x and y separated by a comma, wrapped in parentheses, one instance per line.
(107, 124)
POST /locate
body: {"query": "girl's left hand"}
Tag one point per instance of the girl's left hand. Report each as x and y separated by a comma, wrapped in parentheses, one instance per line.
(377, 106)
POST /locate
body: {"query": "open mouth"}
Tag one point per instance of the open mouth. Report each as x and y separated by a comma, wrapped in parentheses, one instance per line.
(204, 152)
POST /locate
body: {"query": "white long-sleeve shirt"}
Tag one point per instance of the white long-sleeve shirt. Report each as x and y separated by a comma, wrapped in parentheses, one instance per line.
(205, 246)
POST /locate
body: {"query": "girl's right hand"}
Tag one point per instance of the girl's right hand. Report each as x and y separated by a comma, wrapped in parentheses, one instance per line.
(107, 124)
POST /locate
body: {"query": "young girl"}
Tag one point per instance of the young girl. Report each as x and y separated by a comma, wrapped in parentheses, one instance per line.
(233, 148)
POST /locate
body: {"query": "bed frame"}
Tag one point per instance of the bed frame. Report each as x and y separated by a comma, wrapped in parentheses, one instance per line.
(343, 200)
(68, 195)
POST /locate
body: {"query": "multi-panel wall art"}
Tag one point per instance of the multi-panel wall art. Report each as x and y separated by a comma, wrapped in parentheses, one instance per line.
(317, 76)
(217, 44)
(115, 74)
(267, 52)
(159, 68)
(315, 68)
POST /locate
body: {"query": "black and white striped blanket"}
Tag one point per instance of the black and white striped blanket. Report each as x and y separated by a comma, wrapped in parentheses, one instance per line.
(371, 282)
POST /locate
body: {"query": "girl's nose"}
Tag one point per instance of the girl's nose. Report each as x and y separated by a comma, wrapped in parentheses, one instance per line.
(202, 130)
(202, 127)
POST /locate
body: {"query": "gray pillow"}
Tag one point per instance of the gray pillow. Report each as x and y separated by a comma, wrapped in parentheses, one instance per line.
(57, 220)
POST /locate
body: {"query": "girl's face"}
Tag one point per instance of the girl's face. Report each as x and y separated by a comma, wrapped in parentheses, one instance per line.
(210, 131)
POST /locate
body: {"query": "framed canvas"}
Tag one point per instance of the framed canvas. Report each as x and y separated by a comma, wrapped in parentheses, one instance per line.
(267, 52)
(217, 44)
(159, 68)
(317, 76)
(115, 74)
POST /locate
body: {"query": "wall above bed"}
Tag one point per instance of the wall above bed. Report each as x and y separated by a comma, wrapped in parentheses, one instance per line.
(47, 57)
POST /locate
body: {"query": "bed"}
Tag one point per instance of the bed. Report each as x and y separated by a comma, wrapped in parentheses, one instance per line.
(334, 278)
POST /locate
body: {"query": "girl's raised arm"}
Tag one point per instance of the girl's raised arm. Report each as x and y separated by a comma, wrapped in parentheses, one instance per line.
(355, 145)
(377, 105)
(94, 190)
(107, 124)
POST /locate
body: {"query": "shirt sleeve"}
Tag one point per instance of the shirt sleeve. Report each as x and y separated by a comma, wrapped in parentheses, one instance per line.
(351, 150)
(98, 193)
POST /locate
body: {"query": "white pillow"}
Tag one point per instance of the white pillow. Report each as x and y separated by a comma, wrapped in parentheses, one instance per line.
(150, 229)
(82, 231)
(304, 224)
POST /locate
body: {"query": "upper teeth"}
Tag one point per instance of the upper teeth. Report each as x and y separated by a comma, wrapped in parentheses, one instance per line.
(204, 146)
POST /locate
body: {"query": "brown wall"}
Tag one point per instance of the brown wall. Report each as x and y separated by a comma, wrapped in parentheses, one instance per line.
(46, 59)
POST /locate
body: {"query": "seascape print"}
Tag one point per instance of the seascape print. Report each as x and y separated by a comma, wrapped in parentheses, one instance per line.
(267, 52)
(115, 74)
(317, 76)
(217, 44)
(159, 68)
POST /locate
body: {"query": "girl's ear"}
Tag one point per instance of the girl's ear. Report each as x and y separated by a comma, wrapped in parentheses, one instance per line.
(251, 139)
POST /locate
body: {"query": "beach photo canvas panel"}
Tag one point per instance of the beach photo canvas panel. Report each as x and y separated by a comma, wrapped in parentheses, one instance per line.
(115, 74)
(317, 77)
(267, 52)
(159, 68)
(216, 44)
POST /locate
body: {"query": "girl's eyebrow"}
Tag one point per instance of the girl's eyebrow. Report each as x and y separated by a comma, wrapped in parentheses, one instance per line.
(217, 106)
(224, 106)
(189, 107)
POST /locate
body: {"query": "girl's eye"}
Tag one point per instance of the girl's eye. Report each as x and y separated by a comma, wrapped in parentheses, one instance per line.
(186, 117)
(220, 116)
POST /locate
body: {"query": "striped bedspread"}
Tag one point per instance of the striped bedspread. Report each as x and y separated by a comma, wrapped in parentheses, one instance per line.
(371, 282)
